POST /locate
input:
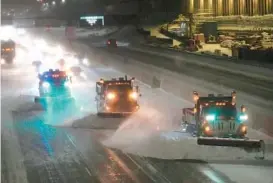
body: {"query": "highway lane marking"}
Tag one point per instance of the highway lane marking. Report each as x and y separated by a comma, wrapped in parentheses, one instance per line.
(140, 167)
(88, 171)
(70, 139)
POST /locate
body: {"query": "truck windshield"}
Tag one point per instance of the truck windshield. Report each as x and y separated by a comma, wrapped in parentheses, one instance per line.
(57, 79)
(120, 88)
(226, 111)
(8, 44)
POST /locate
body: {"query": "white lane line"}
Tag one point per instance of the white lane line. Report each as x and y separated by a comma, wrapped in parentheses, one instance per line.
(89, 173)
(70, 139)
(140, 167)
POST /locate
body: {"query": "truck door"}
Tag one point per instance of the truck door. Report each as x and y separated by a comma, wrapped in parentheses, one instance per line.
(99, 95)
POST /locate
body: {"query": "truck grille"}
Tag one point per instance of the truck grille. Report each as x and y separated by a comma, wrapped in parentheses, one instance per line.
(225, 125)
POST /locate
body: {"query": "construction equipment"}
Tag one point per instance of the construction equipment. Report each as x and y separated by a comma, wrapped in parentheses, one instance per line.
(216, 121)
(117, 96)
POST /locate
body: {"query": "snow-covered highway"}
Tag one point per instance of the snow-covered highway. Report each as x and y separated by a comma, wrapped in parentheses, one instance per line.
(39, 146)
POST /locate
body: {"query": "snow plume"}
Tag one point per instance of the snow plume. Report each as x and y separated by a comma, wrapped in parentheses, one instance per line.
(136, 129)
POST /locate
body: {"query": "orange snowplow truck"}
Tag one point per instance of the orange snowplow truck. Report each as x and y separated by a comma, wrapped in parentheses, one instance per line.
(117, 96)
(218, 122)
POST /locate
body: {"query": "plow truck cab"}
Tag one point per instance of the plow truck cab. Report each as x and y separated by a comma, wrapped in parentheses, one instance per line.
(216, 121)
(117, 96)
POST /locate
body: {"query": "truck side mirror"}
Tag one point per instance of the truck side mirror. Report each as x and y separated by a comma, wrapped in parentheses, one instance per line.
(97, 89)
(243, 109)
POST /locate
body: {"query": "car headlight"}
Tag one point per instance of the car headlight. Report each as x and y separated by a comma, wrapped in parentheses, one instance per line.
(210, 117)
(243, 117)
(46, 84)
(133, 95)
(85, 61)
(111, 96)
(67, 83)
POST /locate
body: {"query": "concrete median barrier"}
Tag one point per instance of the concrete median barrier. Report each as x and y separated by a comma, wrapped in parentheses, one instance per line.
(212, 62)
(156, 82)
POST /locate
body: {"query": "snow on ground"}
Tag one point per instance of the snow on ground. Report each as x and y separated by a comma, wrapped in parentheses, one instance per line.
(151, 131)
(212, 47)
(14, 81)
(246, 173)
(159, 112)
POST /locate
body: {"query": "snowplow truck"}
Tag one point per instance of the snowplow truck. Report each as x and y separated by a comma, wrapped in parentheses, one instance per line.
(118, 97)
(217, 122)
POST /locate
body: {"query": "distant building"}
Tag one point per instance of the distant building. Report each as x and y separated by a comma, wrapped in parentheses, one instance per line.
(228, 7)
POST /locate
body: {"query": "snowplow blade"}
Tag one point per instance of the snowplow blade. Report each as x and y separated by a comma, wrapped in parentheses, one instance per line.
(230, 142)
(114, 115)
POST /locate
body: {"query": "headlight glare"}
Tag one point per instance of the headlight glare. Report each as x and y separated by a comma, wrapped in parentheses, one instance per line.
(111, 96)
(46, 84)
(133, 95)
(210, 117)
(243, 117)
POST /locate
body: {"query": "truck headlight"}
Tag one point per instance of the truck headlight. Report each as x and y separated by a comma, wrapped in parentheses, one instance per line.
(67, 84)
(133, 95)
(243, 129)
(46, 85)
(111, 96)
(210, 117)
(243, 117)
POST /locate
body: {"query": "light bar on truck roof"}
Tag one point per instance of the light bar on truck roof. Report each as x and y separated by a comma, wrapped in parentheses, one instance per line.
(119, 83)
(223, 103)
